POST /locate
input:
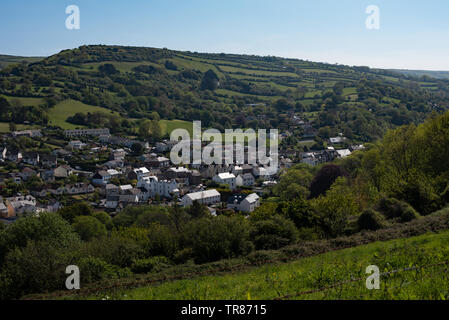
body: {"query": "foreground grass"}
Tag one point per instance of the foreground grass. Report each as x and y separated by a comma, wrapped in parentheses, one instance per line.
(286, 280)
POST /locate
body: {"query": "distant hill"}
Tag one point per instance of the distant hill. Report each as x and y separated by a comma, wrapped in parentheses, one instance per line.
(421, 73)
(6, 60)
(227, 90)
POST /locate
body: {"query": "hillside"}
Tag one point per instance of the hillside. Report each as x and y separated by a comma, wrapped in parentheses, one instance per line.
(424, 73)
(411, 268)
(6, 60)
(313, 278)
(227, 90)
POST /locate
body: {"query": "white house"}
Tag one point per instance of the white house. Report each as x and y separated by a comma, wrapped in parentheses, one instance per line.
(261, 173)
(245, 180)
(153, 187)
(208, 197)
(250, 203)
(225, 178)
(142, 173)
(77, 145)
(63, 171)
(244, 203)
(344, 153)
(101, 178)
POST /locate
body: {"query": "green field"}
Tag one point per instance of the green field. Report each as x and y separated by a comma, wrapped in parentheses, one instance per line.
(25, 101)
(59, 113)
(4, 127)
(282, 280)
(167, 126)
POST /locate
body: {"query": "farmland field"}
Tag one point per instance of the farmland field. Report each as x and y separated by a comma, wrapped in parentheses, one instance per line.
(59, 113)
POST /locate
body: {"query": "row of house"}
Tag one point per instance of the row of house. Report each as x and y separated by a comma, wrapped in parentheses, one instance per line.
(14, 206)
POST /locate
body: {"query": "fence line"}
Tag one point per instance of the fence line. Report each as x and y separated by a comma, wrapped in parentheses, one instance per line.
(342, 283)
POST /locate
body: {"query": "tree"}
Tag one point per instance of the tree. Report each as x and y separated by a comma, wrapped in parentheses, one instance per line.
(155, 129)
(5, 108)
(69, 213)
(324, 179)
(137, 149)
(108, 69)
(217, 238)
(89, 227)
(49, 227)
(210, 81)
(336, 207)
(294, 183)
(274, 233)
(144, 129)
(197, 210)
(12, 127)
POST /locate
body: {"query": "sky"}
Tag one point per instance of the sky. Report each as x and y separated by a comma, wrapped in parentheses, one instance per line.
(412, 34)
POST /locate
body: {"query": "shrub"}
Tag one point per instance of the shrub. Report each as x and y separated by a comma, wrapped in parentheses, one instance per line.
(153, 264)
(95, 269)
(89, 227)
(398, 210)
(370, 220)
(261, 257)
(274, 233)
(37, 267)
(324, 179)
(48, 227)
(69, 213)
(114, 249)
(104, 218)
(182, 256)
(409, 214)
(212, 239)
(161, 241)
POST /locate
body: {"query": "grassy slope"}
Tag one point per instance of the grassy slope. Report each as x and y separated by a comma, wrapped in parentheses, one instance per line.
(4, 127)
(273, 281)
(167, 126)
(59, 113)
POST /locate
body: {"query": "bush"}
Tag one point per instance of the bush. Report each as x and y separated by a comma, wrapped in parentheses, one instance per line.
(153, 264)
(397, 210)
(48, 227)
(37, 267)
(274, 233)
(94, 269)
(89, 227)
(104, 218)
(261, 257)
(79, 209)
(370, 220)
(212, 239)
(161, 241)
(409, 214)
(114, 249)
(183, 256)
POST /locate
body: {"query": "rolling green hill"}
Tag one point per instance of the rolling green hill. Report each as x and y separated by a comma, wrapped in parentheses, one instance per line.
(421, 73)
(6, 60)
(226, 90)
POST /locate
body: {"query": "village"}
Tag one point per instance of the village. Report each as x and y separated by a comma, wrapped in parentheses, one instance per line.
(111, 173)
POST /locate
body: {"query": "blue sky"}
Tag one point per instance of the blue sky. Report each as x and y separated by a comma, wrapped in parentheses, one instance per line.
(413, 34)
